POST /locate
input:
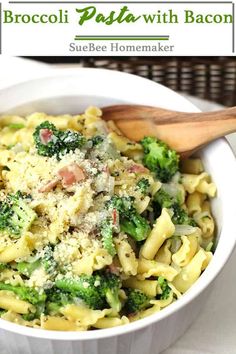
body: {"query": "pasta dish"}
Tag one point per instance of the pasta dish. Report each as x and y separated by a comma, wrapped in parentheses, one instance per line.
(96, 230)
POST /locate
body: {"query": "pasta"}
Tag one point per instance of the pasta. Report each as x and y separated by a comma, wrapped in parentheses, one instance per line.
(192, 166)
(164, 254)
(96, 231)
(126, 256)
(82, 315)
(148, 268)
(148, 287)
(162, 230)
(200, 183)
(191, 272)
(9, 301)
(186, 252)
(194, 202)
(55, 323)
(109, 322)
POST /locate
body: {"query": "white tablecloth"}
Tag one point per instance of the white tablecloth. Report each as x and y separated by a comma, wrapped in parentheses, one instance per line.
(214, 332)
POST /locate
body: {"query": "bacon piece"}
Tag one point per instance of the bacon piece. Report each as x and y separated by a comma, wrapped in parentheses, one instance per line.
(113, 268)
(49, 186)
(45, 136)
(71, 174)
(137, 169)
(106, 169)
(114, 216)
(68, 175)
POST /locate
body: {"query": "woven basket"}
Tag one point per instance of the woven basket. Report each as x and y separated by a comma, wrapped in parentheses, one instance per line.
(211, 78)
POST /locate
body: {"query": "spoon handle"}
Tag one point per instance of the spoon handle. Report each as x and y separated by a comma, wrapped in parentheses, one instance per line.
(185, 132)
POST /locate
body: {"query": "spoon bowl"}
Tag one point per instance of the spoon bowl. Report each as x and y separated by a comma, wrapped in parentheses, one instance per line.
(183, 132)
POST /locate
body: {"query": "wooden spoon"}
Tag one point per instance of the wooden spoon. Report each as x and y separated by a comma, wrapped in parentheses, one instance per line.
(183, 132)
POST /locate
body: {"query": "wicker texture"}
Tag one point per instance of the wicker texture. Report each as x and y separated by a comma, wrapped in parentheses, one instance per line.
(213, 79)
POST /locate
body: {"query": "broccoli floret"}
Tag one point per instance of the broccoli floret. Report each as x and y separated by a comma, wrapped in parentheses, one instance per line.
(29, 316)
(130, 221)
(56, 299)
(164, 288)
(3, 266)
(70, 141)
(94, 290)
(16, 216)
(143, 185)
(181, 217)
(124, 205)
(84, 287)
(50, 147)
(40, 308)
(50, 141)
(163, 200)
(47, 261)
(107, 237)
(55, 295)
(96, 140)
(25, 293)
(27, 268)
(111, 284)
(136, 301)
(137, 227)
(53, 308)
(159, 158)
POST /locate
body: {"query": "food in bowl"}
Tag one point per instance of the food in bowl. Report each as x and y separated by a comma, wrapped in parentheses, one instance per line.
(96, 230)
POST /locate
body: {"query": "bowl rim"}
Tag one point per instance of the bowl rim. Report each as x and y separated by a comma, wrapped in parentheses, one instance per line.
(199, 286)
(71, 74)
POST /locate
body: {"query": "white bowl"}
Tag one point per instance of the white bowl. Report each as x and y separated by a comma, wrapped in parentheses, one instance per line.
(70, 91)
